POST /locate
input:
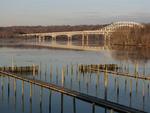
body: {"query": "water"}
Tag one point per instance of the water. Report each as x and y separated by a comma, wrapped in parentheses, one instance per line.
(124, 90)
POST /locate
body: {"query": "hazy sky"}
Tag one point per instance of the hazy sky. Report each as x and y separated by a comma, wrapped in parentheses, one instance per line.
(72, 12)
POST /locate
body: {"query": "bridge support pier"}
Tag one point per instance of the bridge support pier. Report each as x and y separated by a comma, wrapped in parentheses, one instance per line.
(39, 39)
(106, 42)
(87, 40)
(69, 43)
(43, 39)
(83, 36)
(25, 39)
(53, 40)
(36, 39)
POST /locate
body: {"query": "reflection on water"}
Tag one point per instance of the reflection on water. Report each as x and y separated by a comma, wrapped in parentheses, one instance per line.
(96, 41)
(61, 67)
(134, 54)
(21, 97)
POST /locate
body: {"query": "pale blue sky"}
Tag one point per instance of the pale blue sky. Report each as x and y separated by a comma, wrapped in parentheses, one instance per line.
(72, 12)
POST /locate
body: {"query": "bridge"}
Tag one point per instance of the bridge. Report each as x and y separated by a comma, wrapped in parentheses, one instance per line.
(106, 32)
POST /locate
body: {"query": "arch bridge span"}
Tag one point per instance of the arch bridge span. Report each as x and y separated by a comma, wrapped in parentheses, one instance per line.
(105, 31)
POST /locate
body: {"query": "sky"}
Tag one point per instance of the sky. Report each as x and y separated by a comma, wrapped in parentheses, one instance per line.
(72, 12)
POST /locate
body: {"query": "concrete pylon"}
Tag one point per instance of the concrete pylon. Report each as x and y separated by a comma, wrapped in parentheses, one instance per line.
(53, 40)
(87, 40)
(43, 38)
(69, 43)
(39, 37)
(83, 36)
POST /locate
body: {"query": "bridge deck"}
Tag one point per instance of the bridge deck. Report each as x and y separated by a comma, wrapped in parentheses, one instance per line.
(85, 97)
(103, 30)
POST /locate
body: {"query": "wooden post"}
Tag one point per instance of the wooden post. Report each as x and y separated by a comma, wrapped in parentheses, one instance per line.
(41, 93)
(128, 69)
(87, 85)
(74, 105)
(136, 69)
(33, 72)
(130, 87)
(40, 70)
(50, 96)
(8, 88)
(97, 82)
(105, 82)
(22, 96)
(30, 92)
(117, 89)
(57, 75)
(111, 111)
(136, 86)
(71, 69)
(93, 108)
(62, 102)
(125, 84)
(67, 70)
(31, 99)
(12, 64)
(15, 92)
(130, 91)
(15, 86)
(144, 70)
(2, 86)
(143, 93)
(51, 72)
(45, 72)
(148, 88)
(62, 76)
(79, 78)
(77, 72)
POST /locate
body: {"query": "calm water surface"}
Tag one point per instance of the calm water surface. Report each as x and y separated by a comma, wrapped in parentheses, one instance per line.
(124, 90)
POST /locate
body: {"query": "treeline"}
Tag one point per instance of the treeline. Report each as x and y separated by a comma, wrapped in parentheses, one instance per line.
(131, 37)
(124, 36)
(7, 32)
